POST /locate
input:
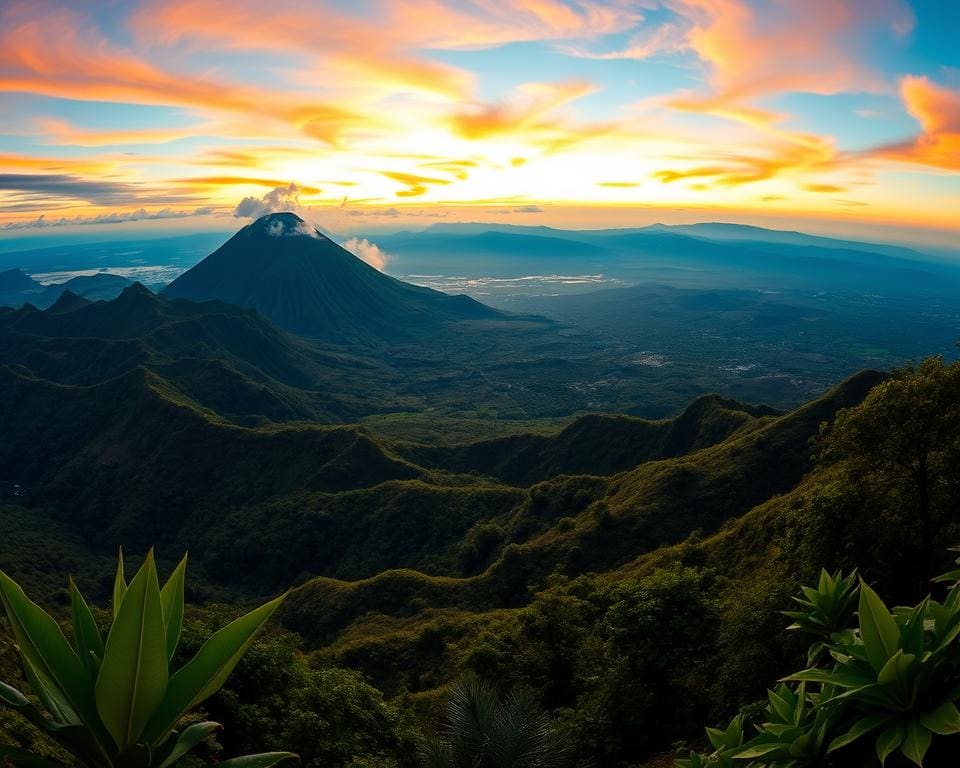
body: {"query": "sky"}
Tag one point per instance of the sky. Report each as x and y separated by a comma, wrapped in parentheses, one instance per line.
(179, 115)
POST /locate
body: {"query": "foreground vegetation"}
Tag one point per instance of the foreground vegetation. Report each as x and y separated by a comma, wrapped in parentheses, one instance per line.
(110, 699)
(591, 597)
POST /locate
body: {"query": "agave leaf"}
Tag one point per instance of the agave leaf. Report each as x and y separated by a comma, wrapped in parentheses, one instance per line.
(889, 740)
(14, 699)
(50, 696)
(74, 737)
(119, 585)
(780, 705)
(758, 750)
(20, 758)
(86, 633)
(896, 671)
(134, 674)
(264, 760)
(206, 672)
(879, 630)
(187, 740)
(916, 742)
(943, 721)
(171, 598)
(43, 646)
(861, 728)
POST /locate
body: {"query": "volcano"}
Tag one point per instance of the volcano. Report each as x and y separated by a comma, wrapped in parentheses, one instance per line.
(306, 284)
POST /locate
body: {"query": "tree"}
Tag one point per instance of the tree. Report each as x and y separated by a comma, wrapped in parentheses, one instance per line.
(901, 446)
(110, 700)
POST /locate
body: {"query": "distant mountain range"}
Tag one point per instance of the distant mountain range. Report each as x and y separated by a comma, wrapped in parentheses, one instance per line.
(305, 283)
(17, 288)
(697, 255)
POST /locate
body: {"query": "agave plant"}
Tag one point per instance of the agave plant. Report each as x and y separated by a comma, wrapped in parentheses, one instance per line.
(825, 610)
(794, 732)
(485, 730)
(113, 701)
(898, 675)
(893, 676)
(727, 744)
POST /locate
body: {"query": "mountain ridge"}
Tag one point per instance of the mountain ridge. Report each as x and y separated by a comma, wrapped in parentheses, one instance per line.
(308, 285)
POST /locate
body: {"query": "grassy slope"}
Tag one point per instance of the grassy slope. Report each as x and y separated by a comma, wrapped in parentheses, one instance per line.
(743, 493)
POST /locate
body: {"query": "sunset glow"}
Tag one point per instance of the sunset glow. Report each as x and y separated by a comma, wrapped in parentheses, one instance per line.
(179, 110)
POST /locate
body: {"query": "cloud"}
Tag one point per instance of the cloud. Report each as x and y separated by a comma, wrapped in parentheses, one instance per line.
(368, 251)
(527, 114)
(937, 109)
(49, 50)
(141, 214)
(669, 37)
(415, 185)
(770, 48)
(67, 186)
(528, 209)
(276, 201)
(63, 133)
(282, 229)
(824, 188)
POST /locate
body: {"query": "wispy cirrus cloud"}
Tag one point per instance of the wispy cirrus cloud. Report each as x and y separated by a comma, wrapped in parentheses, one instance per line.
(141, 214)
(27, 188)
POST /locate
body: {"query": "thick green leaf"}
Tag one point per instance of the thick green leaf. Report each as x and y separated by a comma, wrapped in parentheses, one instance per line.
(879, 630)
(50, 695)
(944, 720)
(758, 750)
(265, 760)
(889, 740)
(76, 738)
(861, 728)
(916, 742)
(897, 670)
(46, 650)
(171, 598)
(187, 740)
(86, 633)
(12, 698)
(717, 737)
(134, 673)
(206, 672)
(119, 585)
(20, 758)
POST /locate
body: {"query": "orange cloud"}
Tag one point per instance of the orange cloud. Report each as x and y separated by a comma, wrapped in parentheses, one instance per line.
(755, 50)
(796, 152)
(824, 188)
(362, 52)
(49, 164)
(484, 24)
(530, 115)
(55, 53)
(416, 185)
(937, 109)
(62, 132)
(224, 181)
